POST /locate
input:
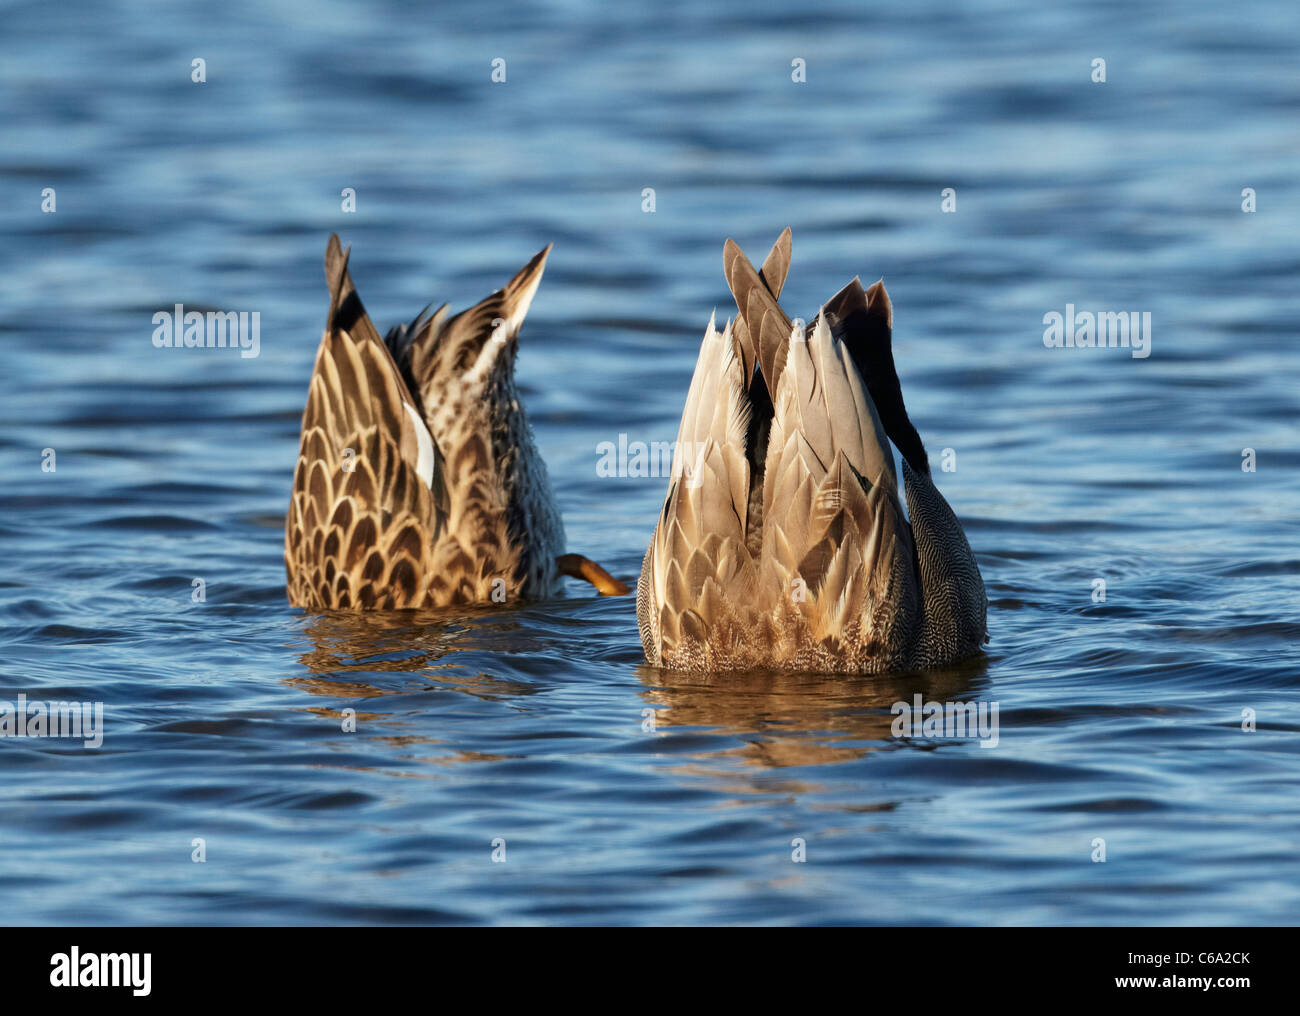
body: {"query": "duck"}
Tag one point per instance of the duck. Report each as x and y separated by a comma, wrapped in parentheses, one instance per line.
(782, 543)
(418, 482)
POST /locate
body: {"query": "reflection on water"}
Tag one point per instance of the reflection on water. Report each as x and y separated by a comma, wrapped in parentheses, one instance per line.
(800, 720)
(780, 719)
(362, 642)
(398, 642)
(228, 719)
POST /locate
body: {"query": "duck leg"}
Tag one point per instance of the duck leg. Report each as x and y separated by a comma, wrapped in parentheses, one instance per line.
(579, 567)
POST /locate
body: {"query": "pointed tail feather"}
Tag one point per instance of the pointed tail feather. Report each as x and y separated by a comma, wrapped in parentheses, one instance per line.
(764, 326)
(444, 350)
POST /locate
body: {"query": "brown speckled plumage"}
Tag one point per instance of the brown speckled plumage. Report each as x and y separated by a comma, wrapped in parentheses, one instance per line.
(782, 543)
(418, 483)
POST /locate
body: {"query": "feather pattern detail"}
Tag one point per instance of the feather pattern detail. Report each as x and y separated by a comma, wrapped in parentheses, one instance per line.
(782, 542)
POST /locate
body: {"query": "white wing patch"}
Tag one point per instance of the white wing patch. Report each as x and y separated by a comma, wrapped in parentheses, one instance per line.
(424, 462)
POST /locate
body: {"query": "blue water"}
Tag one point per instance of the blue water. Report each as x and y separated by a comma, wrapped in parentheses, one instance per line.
(1119, 720)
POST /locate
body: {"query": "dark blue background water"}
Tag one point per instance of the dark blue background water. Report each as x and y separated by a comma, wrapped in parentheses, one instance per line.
(1119, 720)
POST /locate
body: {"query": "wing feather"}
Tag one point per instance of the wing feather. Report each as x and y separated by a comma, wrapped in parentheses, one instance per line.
(697, 559)
(831, 514)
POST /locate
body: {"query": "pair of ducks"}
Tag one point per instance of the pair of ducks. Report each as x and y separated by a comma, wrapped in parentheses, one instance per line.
(781, 545)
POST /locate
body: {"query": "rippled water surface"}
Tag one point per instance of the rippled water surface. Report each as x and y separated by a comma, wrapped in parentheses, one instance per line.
(1119, 720)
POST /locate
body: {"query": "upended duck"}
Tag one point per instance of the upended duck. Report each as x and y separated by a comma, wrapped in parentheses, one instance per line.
(782, 543)
(418, 483)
